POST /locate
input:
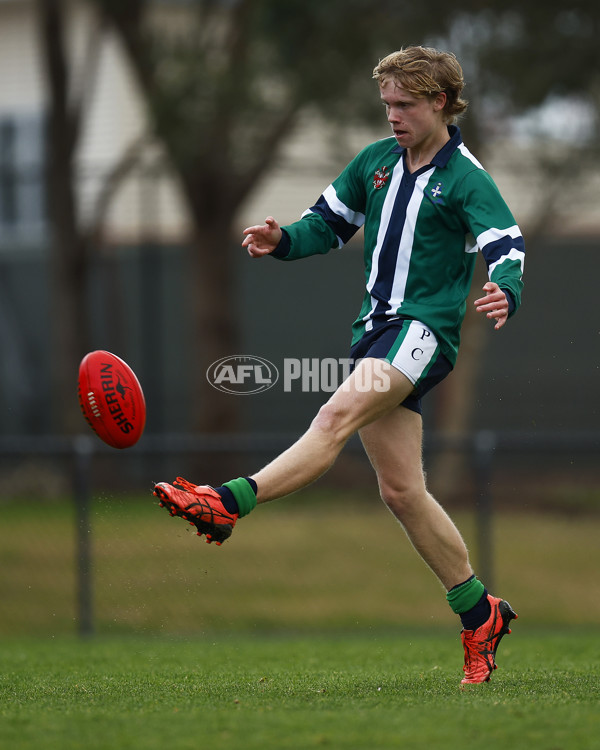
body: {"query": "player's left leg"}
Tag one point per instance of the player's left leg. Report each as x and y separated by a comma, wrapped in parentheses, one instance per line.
(393, 444)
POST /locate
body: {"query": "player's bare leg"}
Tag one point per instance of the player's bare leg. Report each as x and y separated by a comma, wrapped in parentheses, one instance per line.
(394, 446)
(392, 436)
(350, 407)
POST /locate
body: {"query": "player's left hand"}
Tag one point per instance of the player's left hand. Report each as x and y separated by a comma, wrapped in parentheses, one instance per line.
(494, 304)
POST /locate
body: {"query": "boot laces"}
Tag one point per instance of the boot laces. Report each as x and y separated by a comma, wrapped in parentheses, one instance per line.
(185, 485)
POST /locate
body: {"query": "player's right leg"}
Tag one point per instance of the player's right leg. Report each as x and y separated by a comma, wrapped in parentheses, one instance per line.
(200, 505)
(373, 389)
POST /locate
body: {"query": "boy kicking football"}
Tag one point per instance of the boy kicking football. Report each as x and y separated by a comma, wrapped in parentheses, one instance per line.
(427, 206)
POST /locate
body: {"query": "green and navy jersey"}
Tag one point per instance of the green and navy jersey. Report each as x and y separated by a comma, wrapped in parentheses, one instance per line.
(421, 235)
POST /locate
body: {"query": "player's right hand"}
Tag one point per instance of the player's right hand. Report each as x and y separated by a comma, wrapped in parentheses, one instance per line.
(262, 239)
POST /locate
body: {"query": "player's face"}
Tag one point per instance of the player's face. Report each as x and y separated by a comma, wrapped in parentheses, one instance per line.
(414, 120)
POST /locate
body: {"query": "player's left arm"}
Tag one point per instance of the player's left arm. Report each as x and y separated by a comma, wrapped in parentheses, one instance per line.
(501, 243)
(495, 304)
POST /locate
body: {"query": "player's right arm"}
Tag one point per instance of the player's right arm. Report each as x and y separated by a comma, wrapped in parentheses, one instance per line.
(330, 223)
(262, 239)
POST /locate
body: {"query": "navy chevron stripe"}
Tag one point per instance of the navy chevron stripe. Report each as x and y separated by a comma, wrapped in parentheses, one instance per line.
(342, 228)
(497, 249)
(390, 247)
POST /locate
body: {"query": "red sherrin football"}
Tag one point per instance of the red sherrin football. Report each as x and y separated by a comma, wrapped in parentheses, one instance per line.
(111, 399)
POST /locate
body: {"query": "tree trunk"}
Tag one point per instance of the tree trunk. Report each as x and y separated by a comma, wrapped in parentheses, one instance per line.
(68, 302)
(68, 261)
(213, 313)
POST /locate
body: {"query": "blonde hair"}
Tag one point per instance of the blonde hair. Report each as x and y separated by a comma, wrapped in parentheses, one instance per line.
(425, 71)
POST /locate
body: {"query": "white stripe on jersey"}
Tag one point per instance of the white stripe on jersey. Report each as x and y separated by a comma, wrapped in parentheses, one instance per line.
(386, 213)
(341, 209)
(466, 153)
(514, 254)
(406, 241)
(340, 241)
(471, 245)
(406, 238)
(493, 235)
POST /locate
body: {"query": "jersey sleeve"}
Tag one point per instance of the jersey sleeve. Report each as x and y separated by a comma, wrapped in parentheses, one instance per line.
(496, 232)
(331, 222)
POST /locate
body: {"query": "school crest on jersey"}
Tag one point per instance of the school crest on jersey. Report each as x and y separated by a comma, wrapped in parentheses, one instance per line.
(381, 177)
(437, 193)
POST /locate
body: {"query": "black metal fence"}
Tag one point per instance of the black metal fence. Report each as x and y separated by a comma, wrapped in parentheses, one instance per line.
(488, 453)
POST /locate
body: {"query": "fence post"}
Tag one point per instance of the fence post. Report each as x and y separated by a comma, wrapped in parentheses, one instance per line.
(484, 444)
(82, 453)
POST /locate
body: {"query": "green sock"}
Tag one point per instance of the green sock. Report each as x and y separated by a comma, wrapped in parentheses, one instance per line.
(465, 596)
(243, 493)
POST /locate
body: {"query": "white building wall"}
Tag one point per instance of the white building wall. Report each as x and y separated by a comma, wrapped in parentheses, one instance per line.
(21, 88)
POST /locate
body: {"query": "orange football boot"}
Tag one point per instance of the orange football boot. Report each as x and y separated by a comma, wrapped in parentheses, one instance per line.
(480, 645)
(200, 505)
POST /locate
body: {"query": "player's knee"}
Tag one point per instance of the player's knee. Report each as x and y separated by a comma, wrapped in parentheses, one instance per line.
(331, 420)
(402, 498)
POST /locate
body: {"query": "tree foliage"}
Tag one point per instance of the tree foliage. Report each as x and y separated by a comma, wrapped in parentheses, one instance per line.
(224, 81)
(536, 50)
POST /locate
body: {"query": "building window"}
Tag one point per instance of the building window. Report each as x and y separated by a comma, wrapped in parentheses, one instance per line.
(22, 204)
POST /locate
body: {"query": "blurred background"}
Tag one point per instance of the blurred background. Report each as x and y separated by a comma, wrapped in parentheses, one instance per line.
(137, 140)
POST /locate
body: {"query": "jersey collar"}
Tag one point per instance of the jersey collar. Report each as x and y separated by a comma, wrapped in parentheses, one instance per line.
(443, 155)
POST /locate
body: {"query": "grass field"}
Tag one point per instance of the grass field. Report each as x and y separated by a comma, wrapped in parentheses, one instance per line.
(291, 635)
(281, 569)
(346, 690)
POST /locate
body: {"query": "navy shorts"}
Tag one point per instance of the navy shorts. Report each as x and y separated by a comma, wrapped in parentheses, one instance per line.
(412, 348)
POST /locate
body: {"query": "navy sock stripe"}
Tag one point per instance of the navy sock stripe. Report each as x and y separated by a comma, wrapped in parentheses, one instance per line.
(227, 498)
(478, 614)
